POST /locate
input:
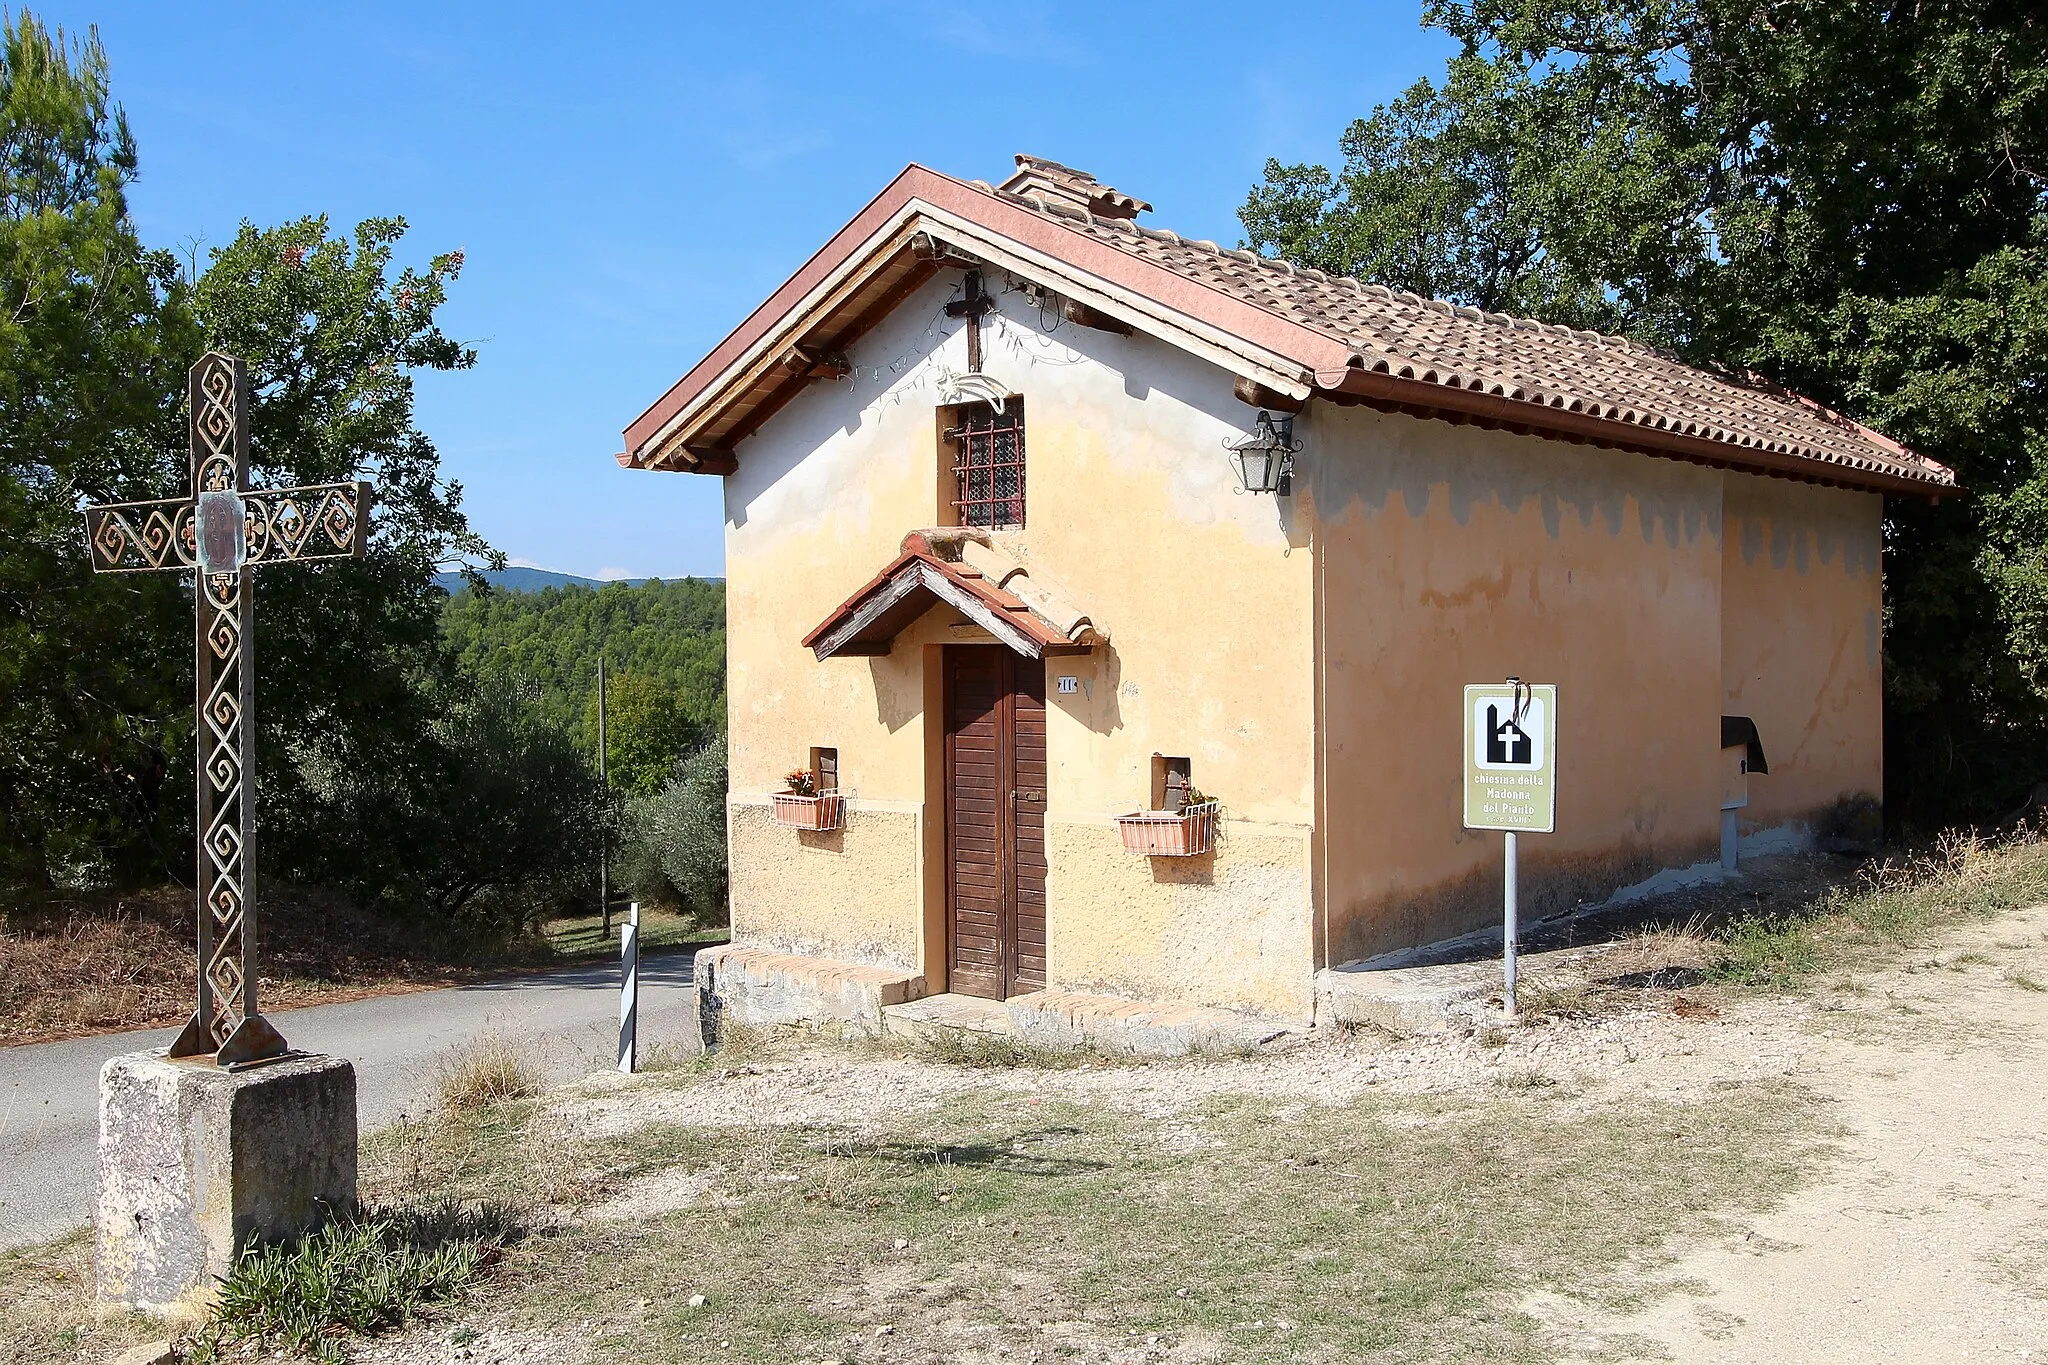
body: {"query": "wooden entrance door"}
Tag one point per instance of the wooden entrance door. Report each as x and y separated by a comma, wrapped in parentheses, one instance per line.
(995, 822)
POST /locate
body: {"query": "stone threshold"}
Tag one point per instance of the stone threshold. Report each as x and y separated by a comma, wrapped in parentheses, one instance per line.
(1109, 1024)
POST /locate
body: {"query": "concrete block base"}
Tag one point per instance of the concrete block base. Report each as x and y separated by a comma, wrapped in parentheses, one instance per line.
(1407, 1000)
(753, 987)
(195, 1163)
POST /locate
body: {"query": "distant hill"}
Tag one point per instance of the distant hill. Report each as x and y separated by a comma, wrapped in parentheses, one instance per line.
(531, 580)
(547, 643)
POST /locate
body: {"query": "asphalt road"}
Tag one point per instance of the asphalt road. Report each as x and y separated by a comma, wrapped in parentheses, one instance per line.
(565, 1022)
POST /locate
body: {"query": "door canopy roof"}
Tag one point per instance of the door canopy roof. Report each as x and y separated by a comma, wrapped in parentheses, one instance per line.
(964, 570)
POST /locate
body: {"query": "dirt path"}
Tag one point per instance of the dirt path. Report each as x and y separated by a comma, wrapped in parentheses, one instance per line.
(1927, 1238)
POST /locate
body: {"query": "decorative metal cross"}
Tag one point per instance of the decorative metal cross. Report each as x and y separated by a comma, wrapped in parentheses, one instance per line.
(222, 530)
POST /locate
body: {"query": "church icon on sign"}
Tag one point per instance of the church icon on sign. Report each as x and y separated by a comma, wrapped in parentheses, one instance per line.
(1507, 734)
(1507, 744)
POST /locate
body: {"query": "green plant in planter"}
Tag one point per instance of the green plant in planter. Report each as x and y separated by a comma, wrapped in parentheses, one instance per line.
(801, 782)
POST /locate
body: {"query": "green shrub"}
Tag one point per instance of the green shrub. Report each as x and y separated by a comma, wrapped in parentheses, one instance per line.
(672, 844)
(1767, 950)
(363, 1273)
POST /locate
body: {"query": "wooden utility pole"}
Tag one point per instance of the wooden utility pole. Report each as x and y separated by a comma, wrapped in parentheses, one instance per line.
(604, 782)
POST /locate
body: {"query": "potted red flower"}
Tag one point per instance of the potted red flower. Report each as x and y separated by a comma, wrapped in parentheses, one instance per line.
(1183, 833)
(803, 806)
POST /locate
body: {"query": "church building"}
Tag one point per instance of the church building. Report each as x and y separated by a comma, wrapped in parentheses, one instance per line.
(1100, 604)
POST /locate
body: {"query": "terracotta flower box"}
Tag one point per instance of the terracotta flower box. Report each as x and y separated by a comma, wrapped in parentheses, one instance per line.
(1170, 834)
(824, 811)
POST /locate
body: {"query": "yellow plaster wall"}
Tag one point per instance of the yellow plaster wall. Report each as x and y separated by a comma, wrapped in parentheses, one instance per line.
(1802, 651)
(1233, 928)
(850, 894)
(1449, 556)
(1206, 594)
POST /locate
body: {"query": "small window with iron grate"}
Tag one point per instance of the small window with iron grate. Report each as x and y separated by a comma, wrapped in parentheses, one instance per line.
(988, 463)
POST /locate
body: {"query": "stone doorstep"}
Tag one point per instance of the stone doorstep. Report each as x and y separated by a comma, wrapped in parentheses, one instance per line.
(758, 987)
(761, 968)
(1107, 1023)
(916, 1019)
(1409, 1000)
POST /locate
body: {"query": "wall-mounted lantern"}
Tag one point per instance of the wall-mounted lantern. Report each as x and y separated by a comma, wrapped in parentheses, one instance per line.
(1265, 459)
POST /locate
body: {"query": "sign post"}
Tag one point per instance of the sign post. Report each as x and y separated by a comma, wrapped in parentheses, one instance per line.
(1510, 784)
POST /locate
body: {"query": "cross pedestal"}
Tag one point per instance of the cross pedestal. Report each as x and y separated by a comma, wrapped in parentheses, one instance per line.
(231, 1135)
(197, 1162)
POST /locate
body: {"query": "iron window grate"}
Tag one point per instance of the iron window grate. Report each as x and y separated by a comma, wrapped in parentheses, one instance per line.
(988, 467)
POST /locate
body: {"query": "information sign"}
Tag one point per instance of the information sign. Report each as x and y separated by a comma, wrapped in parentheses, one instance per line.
(1511, 757)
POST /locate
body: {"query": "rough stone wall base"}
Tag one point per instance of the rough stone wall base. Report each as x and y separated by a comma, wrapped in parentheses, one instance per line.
(757, 988)
(195, 1163)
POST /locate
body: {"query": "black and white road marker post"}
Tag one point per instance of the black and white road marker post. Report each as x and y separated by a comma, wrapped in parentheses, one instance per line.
(629, 990)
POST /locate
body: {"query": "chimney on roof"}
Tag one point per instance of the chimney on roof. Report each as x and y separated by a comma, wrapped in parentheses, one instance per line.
(1044, 181)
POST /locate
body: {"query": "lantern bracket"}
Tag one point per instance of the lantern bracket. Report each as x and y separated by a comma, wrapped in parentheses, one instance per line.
(1264, 457)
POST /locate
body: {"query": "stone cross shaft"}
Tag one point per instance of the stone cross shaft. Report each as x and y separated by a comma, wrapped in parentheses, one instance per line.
(221, 531)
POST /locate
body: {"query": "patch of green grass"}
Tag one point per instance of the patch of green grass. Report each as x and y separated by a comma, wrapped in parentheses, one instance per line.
(363, 1273)
(1768, 951)
(582, 937)
(1895, 904)
(2025, 982)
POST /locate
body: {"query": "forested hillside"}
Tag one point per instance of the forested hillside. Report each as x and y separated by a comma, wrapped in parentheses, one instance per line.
(664, 650)
(546, 644)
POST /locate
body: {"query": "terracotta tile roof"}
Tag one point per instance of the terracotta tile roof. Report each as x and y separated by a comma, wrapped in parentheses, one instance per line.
(935, 565)
(1525, 361)
(1300, 330)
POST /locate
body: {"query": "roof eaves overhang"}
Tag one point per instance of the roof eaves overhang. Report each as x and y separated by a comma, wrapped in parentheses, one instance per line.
(1290, 358)
(1423, 398)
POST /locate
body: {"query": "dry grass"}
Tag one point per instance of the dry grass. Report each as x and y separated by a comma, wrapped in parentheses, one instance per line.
(77, 965)
(1001, 1228)
(102, 963)
(483, 1072)
(1004, 1228)
(46, 1309)
(1891, 907)
(995, 1051)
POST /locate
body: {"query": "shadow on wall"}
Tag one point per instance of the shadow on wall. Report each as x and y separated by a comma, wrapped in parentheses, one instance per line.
(1393, 460)
(1100, 676)
(898, 680)
(826, 840)
(1550, 885)
(1854, 824)
(1198, 870)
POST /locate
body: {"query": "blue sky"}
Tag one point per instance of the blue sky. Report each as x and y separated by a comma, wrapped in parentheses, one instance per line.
(628, 181)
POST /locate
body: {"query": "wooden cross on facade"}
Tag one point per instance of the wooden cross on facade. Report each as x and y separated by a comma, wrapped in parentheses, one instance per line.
(221, 531)
(974, 307)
